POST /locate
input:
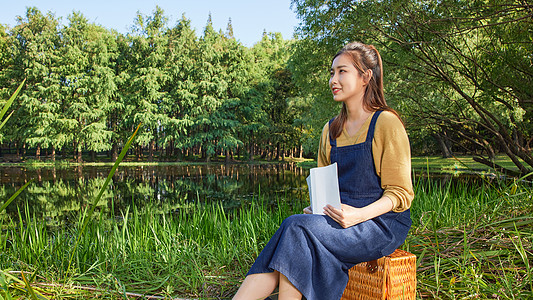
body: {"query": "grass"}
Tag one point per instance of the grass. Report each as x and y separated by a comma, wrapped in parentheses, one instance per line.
(473, 242)
(458, 164)
(454, 165)
(132, 160)
(198, 251)
(436, 164)
(470, 243)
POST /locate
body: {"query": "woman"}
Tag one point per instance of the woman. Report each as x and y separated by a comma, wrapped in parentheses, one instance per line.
(310, 255)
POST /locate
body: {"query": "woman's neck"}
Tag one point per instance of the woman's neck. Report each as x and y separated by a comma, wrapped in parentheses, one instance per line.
(356, 112)
(356, 117)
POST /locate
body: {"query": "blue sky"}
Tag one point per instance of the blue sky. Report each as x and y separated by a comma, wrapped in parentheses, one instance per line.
(249, 18)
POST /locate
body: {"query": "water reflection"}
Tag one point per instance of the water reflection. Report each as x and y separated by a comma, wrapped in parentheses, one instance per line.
(61, 193)
(58, 194)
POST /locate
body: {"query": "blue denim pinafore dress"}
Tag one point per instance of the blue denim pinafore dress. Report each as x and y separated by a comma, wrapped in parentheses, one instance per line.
(314, 252)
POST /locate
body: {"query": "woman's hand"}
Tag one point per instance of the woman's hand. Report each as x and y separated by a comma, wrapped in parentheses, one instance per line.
(308, 210)
(349, 216)
(346, 216)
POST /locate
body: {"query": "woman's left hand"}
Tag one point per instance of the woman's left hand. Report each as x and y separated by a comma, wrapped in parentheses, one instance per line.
(346, 216)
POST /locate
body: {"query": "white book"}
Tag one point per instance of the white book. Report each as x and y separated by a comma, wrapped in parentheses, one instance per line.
(323, 186)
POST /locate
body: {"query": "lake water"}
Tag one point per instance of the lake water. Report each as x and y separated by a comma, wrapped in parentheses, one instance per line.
(61, 193)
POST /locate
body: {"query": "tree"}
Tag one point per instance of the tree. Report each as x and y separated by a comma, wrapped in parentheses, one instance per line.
(6, 62)
(36, 47)
(119, 121)
(220, 73)
(180, 105)
(147, 70)
(229, 30)
(5, 56)
(462, 66)
(280, 102)
(87, 86)
(235, 61)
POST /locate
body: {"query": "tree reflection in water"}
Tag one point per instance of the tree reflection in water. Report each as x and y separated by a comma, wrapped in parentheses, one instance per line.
(57, 195)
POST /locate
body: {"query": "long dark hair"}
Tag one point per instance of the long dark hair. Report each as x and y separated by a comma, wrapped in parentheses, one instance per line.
(364, 57)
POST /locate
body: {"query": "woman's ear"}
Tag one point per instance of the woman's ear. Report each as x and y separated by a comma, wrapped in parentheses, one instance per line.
(367, 76)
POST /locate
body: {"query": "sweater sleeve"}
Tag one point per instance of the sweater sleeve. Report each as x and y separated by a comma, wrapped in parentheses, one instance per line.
(323, 149)
(392, 158)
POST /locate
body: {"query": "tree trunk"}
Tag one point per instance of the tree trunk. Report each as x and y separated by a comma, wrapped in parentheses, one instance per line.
(490, 151)
(53, 153)
(139, 152)
(74, 147)
(251, 147)
(38, 153)
(496, 166)
(186, 154)
(227, 158)
(444, 147)
(170, 150)
(151, 151)
(114, 152)
(79, 159)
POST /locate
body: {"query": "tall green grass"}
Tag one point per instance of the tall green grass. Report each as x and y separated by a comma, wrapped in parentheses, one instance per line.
(3, 122)
(32, 236)
(197, 250)
(471, 241)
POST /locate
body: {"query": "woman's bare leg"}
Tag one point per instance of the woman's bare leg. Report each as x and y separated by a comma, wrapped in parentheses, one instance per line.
(287, 291)
(257, 286)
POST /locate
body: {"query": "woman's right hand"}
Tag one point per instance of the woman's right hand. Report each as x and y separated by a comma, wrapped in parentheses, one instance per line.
(308, 210)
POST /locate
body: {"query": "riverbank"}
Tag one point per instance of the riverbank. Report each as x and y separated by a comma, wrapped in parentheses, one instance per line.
(457, 164)
(470, 243)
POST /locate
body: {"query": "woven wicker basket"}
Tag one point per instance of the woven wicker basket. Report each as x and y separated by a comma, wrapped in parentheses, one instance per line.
(393, 279)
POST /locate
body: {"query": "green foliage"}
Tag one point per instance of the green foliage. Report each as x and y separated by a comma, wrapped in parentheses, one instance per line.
(14, 196)
(5, 108)
(467, 241)
(88, 213)
(36, 44)
(280, 119)
(87, 85)
(195, 95)
(4, 283)
(8, 104)
(459, 71)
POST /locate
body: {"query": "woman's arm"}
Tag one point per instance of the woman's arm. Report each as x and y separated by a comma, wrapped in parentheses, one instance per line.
(392, 159)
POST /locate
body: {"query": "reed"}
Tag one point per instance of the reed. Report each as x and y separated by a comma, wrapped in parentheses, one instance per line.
(3, 121)
(470, 243)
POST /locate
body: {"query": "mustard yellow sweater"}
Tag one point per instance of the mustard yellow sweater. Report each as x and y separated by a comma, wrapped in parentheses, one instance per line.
(391, 152)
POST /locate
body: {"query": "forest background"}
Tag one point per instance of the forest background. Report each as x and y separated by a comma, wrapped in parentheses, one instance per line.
(459, 72)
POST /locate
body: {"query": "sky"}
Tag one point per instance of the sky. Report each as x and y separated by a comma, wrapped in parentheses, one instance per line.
(249, 18)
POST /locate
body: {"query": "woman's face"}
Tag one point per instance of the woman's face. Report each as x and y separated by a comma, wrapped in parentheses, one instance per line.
(345, 82)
